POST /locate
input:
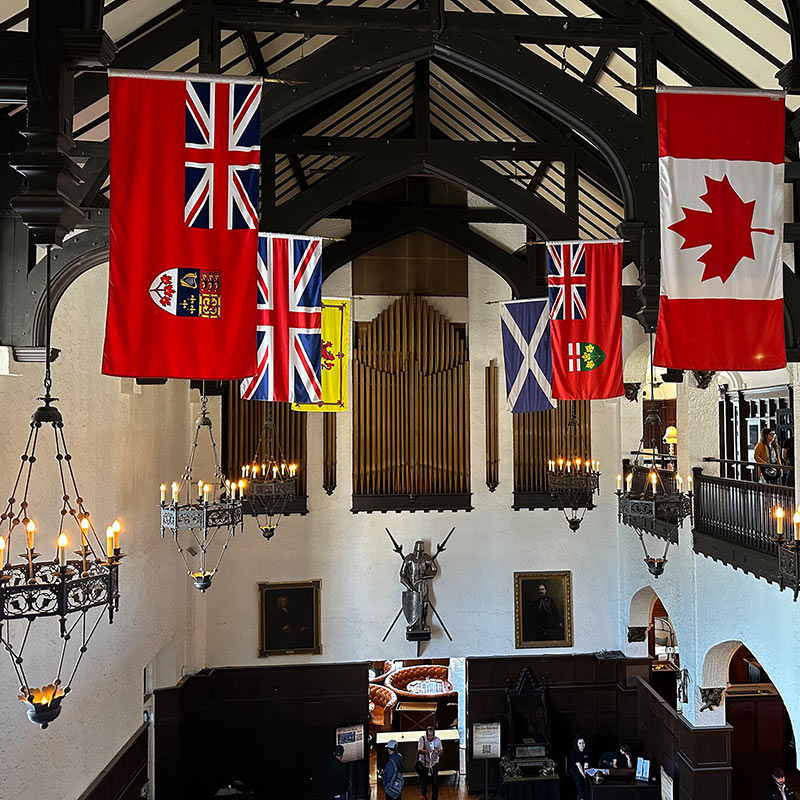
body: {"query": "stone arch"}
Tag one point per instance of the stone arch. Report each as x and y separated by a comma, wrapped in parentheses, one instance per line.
(716, 661)
(641, 607)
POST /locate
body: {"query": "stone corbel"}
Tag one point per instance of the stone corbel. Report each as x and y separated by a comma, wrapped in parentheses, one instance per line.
(637, 634)
(632, 391)
(711, 697)
(703, 377)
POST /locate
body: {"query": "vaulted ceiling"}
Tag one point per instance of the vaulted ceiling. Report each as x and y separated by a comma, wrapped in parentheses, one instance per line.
(543, 107)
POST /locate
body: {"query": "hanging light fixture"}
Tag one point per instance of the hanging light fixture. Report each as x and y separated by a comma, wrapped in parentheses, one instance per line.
(270, 482)
(573, 479)
(651, 499)
(78, 591)
(209, 508)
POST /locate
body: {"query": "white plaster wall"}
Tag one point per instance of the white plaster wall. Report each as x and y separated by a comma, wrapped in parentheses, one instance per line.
(353, 556)
(124, 440)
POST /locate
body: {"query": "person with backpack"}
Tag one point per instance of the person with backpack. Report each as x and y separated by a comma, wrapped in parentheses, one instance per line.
(392, 774)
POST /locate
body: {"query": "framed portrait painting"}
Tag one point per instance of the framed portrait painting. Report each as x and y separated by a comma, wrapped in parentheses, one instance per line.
(543, 609)
(289, 618)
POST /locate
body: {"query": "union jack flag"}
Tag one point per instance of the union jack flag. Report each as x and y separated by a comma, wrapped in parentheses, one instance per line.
(289, 327)
(566, 280)
(222, 154)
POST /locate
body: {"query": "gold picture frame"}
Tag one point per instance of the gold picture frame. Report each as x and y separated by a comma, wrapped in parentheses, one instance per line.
(289, 618)
(543, 619)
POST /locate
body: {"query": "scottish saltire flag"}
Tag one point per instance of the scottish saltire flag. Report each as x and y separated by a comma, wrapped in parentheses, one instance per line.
(223, 139)
(525, 328)
(289, 324)
(566, 280)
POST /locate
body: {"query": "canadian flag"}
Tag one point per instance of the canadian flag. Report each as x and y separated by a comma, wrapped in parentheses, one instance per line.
(721, 193)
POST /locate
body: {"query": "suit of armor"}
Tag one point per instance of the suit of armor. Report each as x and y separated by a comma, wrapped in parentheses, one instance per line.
(416, 572)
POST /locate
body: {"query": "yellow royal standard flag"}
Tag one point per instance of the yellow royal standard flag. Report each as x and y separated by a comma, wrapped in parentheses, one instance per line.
(335, 354)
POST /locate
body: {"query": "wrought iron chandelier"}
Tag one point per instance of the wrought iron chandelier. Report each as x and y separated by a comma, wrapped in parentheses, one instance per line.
(573, 479)
(270, 482)
(214, 508)
(651, 498)
(78, 591)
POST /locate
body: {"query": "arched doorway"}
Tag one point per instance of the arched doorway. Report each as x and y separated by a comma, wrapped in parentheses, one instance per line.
(650, 623)
(762, 736)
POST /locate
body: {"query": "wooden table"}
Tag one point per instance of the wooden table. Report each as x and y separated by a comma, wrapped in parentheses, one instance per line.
(413, 715)
(624, 790)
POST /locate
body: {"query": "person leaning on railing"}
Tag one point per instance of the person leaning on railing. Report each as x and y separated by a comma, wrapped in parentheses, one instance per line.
(766, 453)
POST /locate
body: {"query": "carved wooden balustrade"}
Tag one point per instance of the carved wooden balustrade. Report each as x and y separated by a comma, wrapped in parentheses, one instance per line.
(734, 522)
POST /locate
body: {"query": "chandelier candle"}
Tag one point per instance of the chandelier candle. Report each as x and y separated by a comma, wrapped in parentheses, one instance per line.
(62, 550)
(779, 518)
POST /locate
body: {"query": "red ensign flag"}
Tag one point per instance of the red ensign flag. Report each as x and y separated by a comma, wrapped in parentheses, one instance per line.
(184, 226)
(584, 282)
(721, 187)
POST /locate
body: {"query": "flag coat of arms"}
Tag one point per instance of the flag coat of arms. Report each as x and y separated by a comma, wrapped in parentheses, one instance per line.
(584, 280)
(525, 327)
(335, 355)
(289, 320)
(721, 194)
(184, 225)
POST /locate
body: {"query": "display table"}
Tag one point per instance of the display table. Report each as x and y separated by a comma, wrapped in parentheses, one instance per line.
(624, 790)
(541, 788)
(407, 743)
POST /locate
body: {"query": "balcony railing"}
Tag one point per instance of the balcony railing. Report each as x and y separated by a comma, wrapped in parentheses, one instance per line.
(734, 522)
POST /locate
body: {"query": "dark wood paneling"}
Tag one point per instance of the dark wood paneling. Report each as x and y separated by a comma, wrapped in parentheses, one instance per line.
(272, 728)
(125, 776)
(586, 695)
(697, 759)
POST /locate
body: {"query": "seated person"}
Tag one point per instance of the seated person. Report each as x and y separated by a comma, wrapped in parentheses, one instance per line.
(622, 758)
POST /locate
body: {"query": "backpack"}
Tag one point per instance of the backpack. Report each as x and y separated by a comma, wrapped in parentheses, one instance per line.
(395, 786)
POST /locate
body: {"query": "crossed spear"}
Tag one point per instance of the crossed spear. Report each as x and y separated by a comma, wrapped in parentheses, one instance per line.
(440, 548)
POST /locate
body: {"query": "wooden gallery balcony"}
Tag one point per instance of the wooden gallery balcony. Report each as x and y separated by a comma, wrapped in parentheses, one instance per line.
(735, 522)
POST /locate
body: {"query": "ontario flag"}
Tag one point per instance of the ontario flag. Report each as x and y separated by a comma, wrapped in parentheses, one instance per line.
(721, 187)
(288, 328)
(184, 225)
(584, 280)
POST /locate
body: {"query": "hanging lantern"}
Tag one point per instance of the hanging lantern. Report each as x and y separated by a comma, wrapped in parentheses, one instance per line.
(207, 509)
(573, 478)
(270, 482)
(651, 499)
(78, 588)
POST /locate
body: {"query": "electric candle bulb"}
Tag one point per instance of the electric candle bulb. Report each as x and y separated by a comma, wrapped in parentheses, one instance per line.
(255, 470)
(796, 521)
(619, 482)
(30, 530)
(84, 530)
(577, 463)
(206, 487)
(560, 463)
(62, 550)
(163, 492)
(779, 517)
(233, 491)
(568, 465)
(175, 489)
(241, 488)
(274, 471)
(199, 489)
(116, 527)
(629, 480)
(263, 469)
(653, 479)
(243, 471)
(690, 483)
(109, 541)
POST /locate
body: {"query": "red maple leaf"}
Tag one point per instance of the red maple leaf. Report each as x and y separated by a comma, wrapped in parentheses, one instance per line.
(726, 228)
